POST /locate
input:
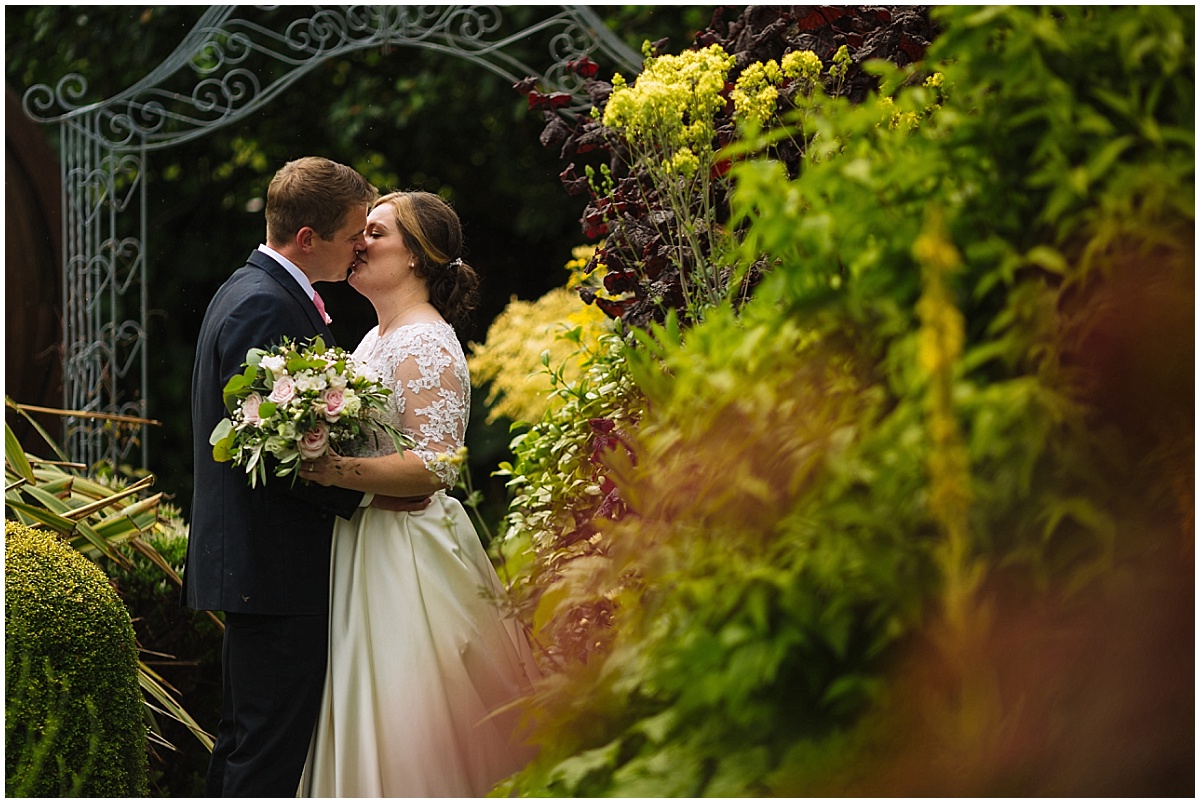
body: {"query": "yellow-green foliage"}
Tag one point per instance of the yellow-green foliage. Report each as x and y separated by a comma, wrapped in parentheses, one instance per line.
(73, 710)
(528, 341)
(832, 498)
(670, 107)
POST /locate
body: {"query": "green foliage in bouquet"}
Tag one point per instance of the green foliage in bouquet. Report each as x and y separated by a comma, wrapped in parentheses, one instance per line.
(842, 503)
(73, 711)
(295, 401)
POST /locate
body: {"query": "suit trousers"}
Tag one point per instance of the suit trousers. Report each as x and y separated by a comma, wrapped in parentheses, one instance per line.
(273, 675)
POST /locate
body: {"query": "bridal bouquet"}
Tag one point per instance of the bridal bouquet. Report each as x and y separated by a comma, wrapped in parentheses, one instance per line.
(293, 403)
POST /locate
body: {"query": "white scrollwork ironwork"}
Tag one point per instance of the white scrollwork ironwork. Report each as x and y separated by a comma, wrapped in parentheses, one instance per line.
(231, 56)
(225, 69)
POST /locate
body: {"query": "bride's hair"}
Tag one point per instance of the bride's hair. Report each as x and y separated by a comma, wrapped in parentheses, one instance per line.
(433, 233)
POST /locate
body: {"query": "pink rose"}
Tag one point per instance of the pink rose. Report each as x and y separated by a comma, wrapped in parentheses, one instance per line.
(315, 442)
(284, 390)
(333, 402)
(250, 407)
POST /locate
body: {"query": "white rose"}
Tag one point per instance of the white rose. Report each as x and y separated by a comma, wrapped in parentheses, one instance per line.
(310, 383)
(351, 403)
(336, 381)
(273, 363)
(365, 373)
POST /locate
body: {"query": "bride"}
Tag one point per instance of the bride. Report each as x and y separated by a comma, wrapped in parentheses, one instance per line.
(422, 662)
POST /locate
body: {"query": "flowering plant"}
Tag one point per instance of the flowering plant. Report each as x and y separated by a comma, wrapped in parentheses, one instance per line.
(293, 403)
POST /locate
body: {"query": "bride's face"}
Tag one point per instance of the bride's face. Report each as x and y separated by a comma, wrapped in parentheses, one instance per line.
(387, 259)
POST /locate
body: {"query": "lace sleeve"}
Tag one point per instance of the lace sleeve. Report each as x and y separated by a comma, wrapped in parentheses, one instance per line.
(434, 388)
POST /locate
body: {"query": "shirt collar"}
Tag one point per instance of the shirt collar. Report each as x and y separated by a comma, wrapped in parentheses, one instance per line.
(290, 267)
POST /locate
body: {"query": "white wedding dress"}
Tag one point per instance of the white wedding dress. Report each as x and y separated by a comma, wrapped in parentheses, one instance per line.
(421, 659)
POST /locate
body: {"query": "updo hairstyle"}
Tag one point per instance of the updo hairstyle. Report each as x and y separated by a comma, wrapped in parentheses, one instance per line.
(433, 233)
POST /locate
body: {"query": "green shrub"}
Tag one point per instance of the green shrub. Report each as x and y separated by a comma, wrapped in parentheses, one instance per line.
(105, 514)
(73, 710)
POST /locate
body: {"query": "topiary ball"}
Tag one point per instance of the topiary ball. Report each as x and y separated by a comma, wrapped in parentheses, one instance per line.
(73, 708)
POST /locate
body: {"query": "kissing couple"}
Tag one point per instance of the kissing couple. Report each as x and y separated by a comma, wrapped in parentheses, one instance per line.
(365, 651)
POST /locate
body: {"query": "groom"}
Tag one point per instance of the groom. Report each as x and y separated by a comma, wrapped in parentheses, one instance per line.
(262, 555)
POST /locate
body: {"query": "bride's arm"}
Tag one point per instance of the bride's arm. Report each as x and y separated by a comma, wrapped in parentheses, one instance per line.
(402, 474)
(434, 411)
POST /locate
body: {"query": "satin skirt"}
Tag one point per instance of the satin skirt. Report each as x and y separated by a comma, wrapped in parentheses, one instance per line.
(423, 665)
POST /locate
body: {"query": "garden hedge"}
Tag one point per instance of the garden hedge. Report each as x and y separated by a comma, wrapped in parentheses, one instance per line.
(73, 709)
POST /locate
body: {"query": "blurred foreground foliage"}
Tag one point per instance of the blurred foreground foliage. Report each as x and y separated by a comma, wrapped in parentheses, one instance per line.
(867, 530)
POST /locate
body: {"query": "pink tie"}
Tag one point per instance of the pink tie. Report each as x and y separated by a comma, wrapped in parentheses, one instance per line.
(321, 307)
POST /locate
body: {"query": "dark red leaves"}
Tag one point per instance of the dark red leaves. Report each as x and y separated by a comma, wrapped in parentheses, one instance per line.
(555, 132)
(575, 185)
(555, 100)
(540, 101)
(644, 269)
(594, 224)
(623, 282)
(584, 67)
(615, 309)
(813, 17)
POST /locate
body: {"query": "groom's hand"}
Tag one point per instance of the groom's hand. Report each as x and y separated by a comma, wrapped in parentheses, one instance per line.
(402, 504)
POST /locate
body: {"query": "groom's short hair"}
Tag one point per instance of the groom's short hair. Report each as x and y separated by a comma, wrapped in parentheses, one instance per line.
(316, 192)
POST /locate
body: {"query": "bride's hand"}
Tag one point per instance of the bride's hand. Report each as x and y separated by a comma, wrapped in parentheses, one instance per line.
(325, 470)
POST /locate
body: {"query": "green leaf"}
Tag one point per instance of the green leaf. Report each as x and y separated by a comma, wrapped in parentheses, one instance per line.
(1048, 258)
(221, 451)
(1108, 155)
(42, 516)
(51, 502)
(221, 431)
(152, 684)
(236, 383)
(59, 453)
(255, 460)
(129, 521)
(14, 455)
(222, 441)
(575, 771)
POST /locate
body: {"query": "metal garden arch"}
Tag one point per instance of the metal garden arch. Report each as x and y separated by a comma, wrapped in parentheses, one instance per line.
(225, 69)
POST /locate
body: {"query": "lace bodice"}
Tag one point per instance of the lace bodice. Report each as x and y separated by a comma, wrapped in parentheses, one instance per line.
(424, 366)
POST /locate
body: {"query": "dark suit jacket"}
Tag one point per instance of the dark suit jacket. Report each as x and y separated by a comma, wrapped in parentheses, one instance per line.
(262, 550)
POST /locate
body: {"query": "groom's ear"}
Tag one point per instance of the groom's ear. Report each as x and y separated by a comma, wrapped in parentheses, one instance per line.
(304, 239)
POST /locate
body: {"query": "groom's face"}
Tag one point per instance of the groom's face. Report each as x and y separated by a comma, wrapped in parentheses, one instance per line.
(333, 259)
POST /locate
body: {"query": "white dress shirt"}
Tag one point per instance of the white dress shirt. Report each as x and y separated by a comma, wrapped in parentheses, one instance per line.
(290, 267)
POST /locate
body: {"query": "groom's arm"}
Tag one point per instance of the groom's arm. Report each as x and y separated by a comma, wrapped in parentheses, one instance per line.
(411, 504)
